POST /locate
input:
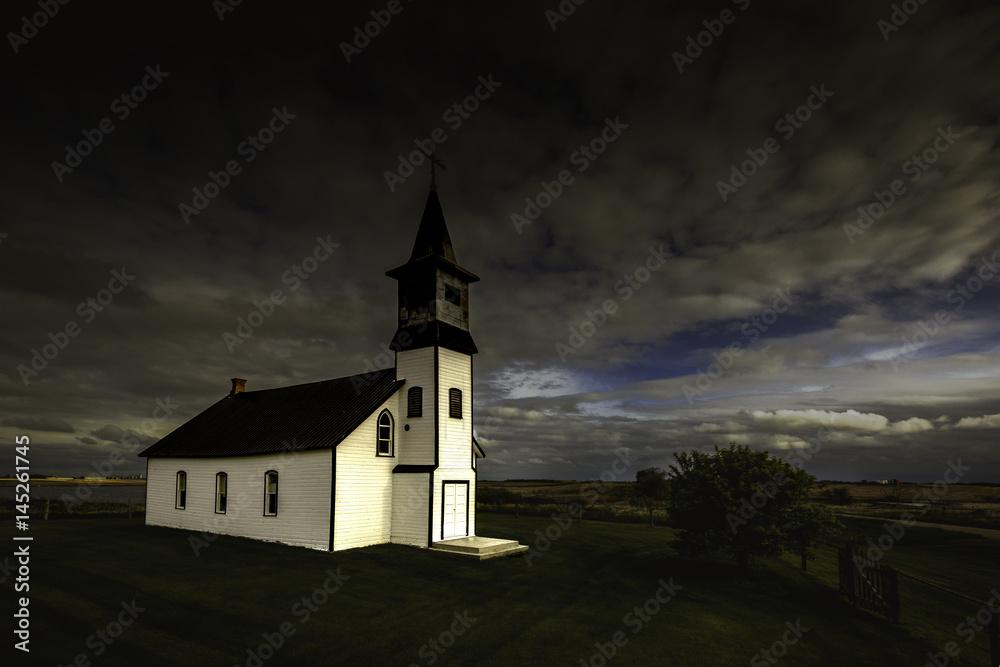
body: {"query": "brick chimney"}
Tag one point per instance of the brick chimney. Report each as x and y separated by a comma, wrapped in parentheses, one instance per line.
(239, 386)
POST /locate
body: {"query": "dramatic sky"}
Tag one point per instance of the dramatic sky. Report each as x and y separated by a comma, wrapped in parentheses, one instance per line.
(761, 310)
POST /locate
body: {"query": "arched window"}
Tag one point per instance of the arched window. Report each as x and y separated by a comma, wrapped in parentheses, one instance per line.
(455, 403)
(384, 434)
(271, 493)
(221, 482)
(180, 495)
(415, 402)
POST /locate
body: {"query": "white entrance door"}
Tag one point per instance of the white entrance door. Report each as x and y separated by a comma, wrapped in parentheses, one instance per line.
(456, 502)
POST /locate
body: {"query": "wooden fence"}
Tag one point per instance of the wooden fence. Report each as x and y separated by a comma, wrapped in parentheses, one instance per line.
(993, 626)
(867, 584)
(876, 588)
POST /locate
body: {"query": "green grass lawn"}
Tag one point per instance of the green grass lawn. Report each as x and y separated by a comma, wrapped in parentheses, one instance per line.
(210, 609)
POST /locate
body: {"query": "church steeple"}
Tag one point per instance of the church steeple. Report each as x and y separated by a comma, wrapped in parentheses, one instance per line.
(433, 292)
(432, 235)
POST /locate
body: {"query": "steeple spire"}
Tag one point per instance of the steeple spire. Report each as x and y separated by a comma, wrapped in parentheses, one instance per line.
(432, 235)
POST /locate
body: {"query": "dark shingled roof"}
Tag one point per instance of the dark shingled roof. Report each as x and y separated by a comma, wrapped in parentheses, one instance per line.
(433, 333)
(432, 247)
(316, 415)
(432, 235)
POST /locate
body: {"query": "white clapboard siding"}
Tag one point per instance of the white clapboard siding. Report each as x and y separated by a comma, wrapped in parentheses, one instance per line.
(303, 517)
(455, 443)
(472, 506)
(409, 509)
(456, 434)
(363, 510)
(437, 500)
(417, 368)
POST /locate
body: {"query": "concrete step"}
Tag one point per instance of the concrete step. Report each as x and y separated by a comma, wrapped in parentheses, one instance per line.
(480, 547)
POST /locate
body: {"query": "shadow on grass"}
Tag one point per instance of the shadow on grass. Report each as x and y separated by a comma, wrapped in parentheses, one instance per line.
(211, 608)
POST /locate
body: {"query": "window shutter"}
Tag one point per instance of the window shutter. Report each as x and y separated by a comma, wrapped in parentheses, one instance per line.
(455, 403)
(415, 402)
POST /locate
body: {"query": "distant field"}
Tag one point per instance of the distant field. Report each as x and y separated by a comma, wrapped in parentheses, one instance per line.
(81, 496)
(70, 481)
(959, 504)
(577, 592)
(962, 493)
(956, 504)
(556, 490)
(568, 490)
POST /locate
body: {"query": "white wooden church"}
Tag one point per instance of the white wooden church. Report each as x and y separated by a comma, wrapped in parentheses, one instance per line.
(387, 456)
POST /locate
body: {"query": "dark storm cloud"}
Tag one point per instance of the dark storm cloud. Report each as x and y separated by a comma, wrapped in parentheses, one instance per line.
(108, 433)
(40, 424)
(840, 348)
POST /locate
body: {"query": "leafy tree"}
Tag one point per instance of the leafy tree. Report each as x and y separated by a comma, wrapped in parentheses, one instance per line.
(650, 489)
(498, 496)
(838, 495)
(808, 523)
(743, 502)
(494, 495)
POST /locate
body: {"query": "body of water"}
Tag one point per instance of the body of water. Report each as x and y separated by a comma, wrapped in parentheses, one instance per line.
(121, 493)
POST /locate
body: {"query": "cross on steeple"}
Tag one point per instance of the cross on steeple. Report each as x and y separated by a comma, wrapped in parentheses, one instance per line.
(435, 162)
